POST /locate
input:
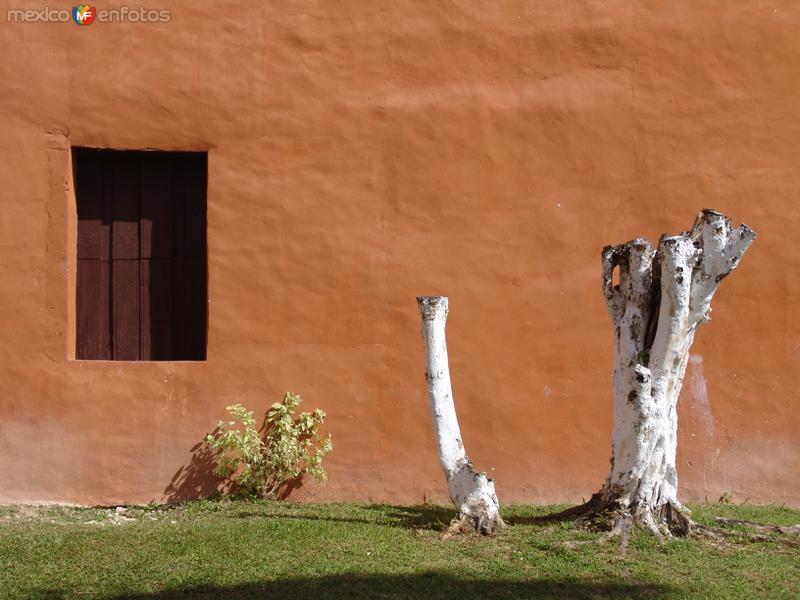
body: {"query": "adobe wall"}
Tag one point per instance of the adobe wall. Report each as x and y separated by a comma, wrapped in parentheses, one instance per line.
(364, 153)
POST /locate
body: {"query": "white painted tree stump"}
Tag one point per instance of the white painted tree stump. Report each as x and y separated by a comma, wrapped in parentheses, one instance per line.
(472, 492)
(661, 298)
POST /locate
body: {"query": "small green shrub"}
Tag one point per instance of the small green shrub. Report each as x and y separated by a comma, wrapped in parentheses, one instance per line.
(261, 462)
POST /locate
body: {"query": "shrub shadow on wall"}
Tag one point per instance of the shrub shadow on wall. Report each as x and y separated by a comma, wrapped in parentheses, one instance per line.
(196, 479)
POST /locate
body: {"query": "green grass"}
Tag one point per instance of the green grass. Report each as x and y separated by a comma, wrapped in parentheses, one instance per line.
(282, 550)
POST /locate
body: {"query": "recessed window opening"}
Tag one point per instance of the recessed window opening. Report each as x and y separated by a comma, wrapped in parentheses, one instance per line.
(141, 262)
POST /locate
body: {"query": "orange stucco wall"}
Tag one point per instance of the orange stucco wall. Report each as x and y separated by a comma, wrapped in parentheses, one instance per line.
(361, 153)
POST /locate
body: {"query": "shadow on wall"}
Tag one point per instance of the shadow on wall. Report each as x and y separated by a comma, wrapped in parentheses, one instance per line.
(196, 479)
(422, 585)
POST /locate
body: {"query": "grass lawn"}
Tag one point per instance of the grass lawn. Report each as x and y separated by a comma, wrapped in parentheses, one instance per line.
(283, 550)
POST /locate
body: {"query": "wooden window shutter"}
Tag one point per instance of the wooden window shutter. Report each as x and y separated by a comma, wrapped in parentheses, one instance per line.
(141, 281)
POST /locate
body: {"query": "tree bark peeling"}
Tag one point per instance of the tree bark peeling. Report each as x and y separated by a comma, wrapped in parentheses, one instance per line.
(471, 491)
(662, 297)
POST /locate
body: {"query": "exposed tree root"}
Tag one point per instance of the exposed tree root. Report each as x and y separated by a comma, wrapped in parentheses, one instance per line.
(618, 520)
(669, 521)
(621, 529)
(720, 535)
(464, 524)
(792, 530)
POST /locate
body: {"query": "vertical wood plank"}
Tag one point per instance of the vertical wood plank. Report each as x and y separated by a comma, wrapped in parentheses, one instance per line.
(189, 174)
(189, 316)
(92, 323)
(155, 322)
(125, 309)
(94, 230)
(156, 223)
(122, 188)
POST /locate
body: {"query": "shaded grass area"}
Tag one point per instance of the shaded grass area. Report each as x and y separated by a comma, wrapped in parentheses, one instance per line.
(283, 550)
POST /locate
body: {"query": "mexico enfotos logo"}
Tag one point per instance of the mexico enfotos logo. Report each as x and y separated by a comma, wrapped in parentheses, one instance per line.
(83, 14)
(86, 14)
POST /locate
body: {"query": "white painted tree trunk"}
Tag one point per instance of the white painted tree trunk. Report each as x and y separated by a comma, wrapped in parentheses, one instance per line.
(472, 492)
(661, 298)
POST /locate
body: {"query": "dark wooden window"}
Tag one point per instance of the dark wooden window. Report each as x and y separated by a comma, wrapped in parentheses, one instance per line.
(141, 280)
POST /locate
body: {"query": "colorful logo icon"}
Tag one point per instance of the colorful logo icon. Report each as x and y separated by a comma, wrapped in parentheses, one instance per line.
(83, 14)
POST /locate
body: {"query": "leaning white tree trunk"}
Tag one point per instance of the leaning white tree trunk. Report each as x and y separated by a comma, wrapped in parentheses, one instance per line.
(661, 298)
(472, 492)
